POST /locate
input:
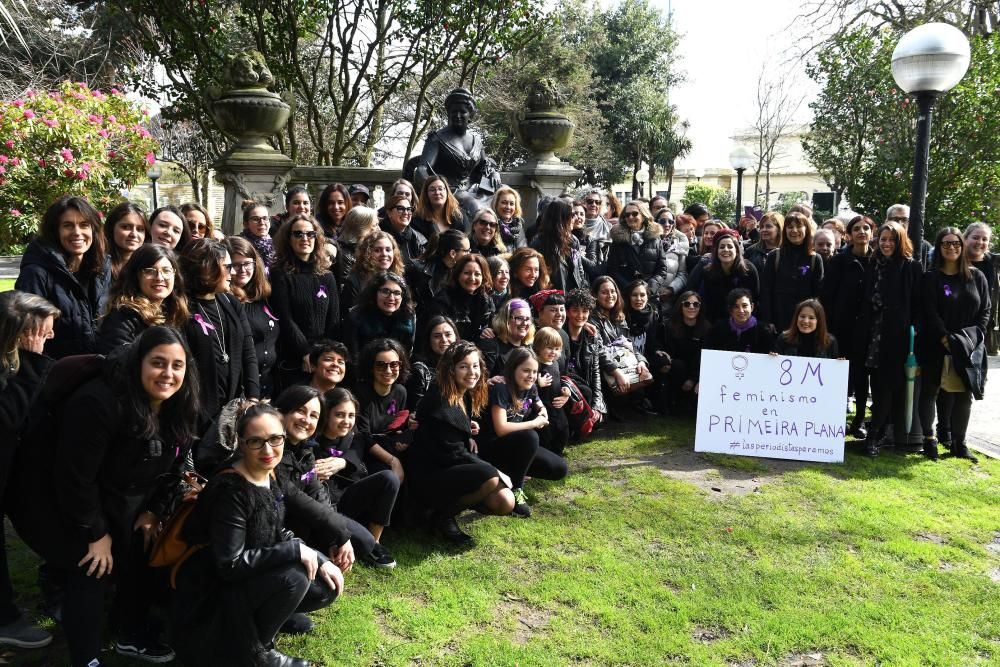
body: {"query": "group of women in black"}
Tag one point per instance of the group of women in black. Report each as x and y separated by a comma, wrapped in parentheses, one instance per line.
(425, 365)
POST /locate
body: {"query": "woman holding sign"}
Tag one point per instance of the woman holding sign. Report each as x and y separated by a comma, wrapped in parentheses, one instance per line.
(956, 309)
(807, 335)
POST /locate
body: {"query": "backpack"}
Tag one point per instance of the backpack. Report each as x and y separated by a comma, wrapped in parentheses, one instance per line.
(579, 414)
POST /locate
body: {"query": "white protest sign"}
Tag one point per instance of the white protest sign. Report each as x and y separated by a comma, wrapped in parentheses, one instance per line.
(771, 406)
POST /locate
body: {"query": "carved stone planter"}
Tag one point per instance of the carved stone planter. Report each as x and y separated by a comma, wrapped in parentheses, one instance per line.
(543, 133)
(251, 116)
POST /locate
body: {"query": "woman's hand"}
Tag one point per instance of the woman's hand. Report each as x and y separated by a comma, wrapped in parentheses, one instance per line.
(475, 427)
(473, 446)
(644, 373)
(397, 469)
(944, 341)
(413, 423)
(559, 401)
(99, 557)
(545, 380)
(772, 353)
(327, 468)
(621, 383)
(150, 526)
(306, 365)
(33, 340)
(331, 575)
(309, 559)
(343, 556)
(696, 386)
(590, 328)
(496, 379)
(488, 333)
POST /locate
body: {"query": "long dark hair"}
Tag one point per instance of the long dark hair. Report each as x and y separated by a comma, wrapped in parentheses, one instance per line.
(285, 259)
(48, 231)
(617, 312)
(177, 419)
(676, 324)
(126, 291)
(441, 244)
(201, 264)
(517, 356)
(792, 334)
(555, 231)
(116, 215)
(424, 343)
(368, 299)
(937, 262)
(740, 265)
(451, 393)
(324, 203)
(807, 243)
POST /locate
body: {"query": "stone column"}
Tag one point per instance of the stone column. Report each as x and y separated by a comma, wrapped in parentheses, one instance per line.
(249, 113)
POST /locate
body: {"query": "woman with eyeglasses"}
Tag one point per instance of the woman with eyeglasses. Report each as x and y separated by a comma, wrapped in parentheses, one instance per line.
(512, 327)
(400, 188)
(506, 203)
(235, 595)
(26, 322)
(116, 448)
(167, 227)
(383, 420)
(725, 271)
(484, 239)
(562, 255)
(199, 222)
(67, 265)
(467, 300)
(675, 354)
(359, 223)
(124, 233)
(251, 286)
(148, 292)
(888, 310)
(334, 203)
(304, 293)
(384, 310)
(437, 210)
(256, 230)
(792, 273)
(398, 216)
(429, 275)
(377, 253)
(676, 248)
(637, 249)
(445, 472)
(842, 296)
(955, 301)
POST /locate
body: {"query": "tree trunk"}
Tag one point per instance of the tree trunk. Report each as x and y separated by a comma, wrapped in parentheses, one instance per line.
(670, 181)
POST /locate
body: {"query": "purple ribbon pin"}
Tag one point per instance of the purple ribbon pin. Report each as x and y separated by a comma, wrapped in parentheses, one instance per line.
(803, 270)
(321, 294)
(947, 290)
(392, 409)
(206, 326)
(335, 453)
(267, 311)
(309, 476)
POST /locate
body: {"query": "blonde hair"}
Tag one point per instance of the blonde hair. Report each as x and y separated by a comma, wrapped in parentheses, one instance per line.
(546, 337)
(507, 190)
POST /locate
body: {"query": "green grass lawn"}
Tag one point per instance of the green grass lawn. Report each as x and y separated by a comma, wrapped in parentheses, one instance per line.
(6, 284)
(649, 554)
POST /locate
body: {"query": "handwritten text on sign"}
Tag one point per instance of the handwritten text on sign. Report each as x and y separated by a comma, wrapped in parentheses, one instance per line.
(776, 407)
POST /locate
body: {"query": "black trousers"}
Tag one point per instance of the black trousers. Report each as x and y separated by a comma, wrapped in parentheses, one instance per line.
(519, 454)
(277, 593)
(857, 384)
(954, 408)
(8, 610)
(370, 500)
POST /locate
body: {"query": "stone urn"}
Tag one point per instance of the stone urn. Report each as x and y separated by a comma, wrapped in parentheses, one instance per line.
(542, 129)
(246, 110)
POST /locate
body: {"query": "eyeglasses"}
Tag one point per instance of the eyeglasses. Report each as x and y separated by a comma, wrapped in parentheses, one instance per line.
(592, 201)
(522, 320)
(387, 292)
(272, 441)
(631, 214)
(899, 218)
(299, 234)
(153, 273)
(197, 226)
(388, 365)
(691, 304)
(951, 244)
(403, 210)
(257, 218)
(487, 223)
(243, 267)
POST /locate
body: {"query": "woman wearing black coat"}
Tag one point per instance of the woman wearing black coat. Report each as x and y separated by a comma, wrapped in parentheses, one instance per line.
(26, 322)
(637, 249)
(304, 293)
(67, 265)
(443, 471)
(436, 338)
(955, 301)
(148, 292)
(725, 271)
(741, 332)
(121, 441)
(675, 352)
(842, 296)
(564, 257)
(429, 275)
(252, 288)
(889, 305)
(467, 300)
(384, 310)
(218, 331)
(792, 274)
(235, 594)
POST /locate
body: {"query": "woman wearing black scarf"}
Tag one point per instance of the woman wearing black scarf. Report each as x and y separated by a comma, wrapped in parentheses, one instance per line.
(792, 274)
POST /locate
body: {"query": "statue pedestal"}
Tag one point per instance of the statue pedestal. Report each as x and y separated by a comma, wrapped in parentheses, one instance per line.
(260, 175)
(539, 177)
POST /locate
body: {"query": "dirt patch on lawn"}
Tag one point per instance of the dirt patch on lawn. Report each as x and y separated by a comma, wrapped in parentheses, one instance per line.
(811, 659)
(716, 480)
(994, 547)
(384, 622)
(530, 621)
(931, 537)
(710, 634)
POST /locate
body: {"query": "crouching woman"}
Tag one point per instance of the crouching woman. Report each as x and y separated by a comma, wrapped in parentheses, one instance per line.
(236, 593)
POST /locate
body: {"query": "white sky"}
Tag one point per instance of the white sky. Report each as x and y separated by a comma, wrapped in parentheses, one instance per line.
(724, 44)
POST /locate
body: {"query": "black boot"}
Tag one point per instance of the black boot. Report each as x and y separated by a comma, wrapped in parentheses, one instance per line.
(448, 528)
(871, 446)
(944, 436)
(930, 448)
(857, 429)
(276, 658)
(962, 452)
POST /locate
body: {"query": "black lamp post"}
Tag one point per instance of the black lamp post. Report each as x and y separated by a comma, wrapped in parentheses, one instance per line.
(154, 172)
(740, 159)
(928, 61)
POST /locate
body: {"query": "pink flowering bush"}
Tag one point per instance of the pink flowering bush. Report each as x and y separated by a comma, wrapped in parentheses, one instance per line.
(72, 140)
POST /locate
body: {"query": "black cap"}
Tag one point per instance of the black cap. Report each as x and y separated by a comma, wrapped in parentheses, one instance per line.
(357, 187)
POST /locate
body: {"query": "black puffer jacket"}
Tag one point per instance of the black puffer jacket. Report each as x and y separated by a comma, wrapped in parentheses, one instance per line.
(647, 260)
(471, 312)
(80, 299)
(120, 327)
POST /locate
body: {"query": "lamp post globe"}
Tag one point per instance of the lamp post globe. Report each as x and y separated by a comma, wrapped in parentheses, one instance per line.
(740, 159)
(153, 173)
(929, 60)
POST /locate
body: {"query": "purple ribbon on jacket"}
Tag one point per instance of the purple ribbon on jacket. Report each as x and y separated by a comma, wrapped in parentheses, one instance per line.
(267, 311)
(947, 290)
(308, 476)
(206, 326)
(321, 294)
(334, 452)
(804, 269)
(392, 409)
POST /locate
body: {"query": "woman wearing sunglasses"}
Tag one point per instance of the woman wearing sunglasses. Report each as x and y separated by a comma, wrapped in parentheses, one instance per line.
(398, 216)
(484, 239)
(384, 310)
(304, 293)
(383, 419)
(676, 354)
